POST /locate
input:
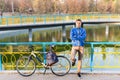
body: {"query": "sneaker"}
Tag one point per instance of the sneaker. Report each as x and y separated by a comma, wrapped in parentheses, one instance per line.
(73, 62)
(79, 75)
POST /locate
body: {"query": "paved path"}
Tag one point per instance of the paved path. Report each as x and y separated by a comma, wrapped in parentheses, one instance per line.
(70, 76)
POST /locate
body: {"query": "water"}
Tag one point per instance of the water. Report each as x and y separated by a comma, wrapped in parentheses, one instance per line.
(94, 33)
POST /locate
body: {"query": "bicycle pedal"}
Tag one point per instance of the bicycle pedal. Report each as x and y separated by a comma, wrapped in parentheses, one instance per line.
(47, 67)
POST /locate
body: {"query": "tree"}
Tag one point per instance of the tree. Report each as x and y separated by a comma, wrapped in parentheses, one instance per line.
(25, 6)
(117, 6)
(2, 7)
(65, 7)
(101, 6)
(91, 6)
(75, 6)
(56, 6)
(43, 6)
(84, 6)
(110, 7)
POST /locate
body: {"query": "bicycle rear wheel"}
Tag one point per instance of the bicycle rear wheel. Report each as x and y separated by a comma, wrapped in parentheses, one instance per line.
(62, 67)
(25, 66)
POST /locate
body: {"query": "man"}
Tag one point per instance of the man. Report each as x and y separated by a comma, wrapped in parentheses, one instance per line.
(78, 36)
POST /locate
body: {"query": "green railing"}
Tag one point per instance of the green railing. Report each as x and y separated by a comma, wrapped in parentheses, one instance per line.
(7, 20)
(97, 54)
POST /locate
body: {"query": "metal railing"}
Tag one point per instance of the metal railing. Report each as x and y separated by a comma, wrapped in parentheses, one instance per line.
(97, 54)
(7, 20)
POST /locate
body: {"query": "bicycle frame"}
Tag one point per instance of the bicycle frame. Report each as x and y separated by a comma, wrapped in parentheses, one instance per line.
(44, 65)
(33, 54)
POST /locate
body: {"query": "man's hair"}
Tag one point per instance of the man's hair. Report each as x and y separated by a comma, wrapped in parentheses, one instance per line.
(79, 20)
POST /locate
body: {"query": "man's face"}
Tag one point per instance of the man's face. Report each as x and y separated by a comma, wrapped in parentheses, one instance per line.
(78, 24)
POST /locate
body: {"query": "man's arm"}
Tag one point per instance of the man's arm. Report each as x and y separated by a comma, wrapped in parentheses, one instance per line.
(72, 35)
(82, 36)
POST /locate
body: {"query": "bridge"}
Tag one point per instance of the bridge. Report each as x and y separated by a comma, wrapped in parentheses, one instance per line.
(8, 20)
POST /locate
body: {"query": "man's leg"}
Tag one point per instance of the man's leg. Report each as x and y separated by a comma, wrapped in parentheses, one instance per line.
(80, 55)
(79, 65)
(73, 53)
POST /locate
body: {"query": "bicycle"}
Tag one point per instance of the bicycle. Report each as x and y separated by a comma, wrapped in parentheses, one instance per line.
(26, 66)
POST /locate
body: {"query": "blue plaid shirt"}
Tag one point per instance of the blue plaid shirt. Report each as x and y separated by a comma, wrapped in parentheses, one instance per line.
(78, 36)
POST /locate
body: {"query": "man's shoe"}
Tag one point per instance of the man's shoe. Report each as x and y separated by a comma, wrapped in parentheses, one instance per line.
(79, 75)
(73, 62)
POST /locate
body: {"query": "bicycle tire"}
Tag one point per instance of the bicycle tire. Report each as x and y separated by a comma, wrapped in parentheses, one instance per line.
(25, 66)
(62, 67)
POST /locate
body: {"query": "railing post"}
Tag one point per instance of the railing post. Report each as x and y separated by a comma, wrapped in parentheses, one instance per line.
(13, 18)
(7, 21)
(63, 33)
(34, 18)
(20, 19)
(55, 19)
(30, 35)
(45, 19)
(0, 21)
(44, 50)
(0, 62)
(92, 54)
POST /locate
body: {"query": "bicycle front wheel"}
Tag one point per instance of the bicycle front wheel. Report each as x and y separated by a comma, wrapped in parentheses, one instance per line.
(62, 67)
(25, 66)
